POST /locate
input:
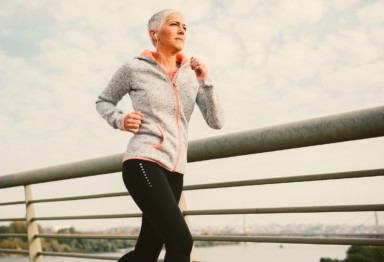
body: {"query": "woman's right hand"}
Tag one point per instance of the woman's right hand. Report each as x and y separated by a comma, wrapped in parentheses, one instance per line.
(132, 122)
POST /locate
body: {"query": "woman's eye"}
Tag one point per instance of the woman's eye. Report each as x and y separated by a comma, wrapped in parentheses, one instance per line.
(177, 24)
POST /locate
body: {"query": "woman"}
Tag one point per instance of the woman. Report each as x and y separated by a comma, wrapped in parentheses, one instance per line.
(164, 86)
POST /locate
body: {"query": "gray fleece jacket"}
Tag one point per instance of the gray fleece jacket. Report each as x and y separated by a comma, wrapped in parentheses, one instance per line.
(167, 106)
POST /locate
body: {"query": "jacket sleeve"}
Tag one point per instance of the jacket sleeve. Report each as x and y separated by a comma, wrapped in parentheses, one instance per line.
(106, 102)
(209, 104)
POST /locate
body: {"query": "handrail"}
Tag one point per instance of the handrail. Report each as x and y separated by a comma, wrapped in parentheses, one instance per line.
(90, 167)
(361, 124)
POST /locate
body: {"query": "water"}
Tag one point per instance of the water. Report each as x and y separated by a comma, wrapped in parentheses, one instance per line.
(271, 253)
(244, 252)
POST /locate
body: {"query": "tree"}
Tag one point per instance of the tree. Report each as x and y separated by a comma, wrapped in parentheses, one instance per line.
(61, 244)
(365, 254)
(329, 260)
(18, 227)
(361, 254)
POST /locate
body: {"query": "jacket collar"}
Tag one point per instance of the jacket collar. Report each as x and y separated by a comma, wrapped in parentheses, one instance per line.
(150, 55)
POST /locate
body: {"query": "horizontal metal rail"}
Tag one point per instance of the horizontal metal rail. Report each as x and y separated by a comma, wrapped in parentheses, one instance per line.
(12, 203)
(13, 235)
(120, 194)
(290, 179)
(83, 197)
(90, 167)
(88, 236)
(231, 238)
(14, 251)
(286, 210)
(273, 210)
(135, 237)
(12, 219)
(254, 182)
(356, 125)
(294, 240)
(134, 215)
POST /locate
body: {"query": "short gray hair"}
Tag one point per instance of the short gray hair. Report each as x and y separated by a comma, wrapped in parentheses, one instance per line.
(159, 18)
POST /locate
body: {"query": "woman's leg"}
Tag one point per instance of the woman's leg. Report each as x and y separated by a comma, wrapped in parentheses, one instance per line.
(157, 191)
(180, 247)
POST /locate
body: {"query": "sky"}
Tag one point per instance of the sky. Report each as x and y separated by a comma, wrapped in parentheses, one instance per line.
(273, 62)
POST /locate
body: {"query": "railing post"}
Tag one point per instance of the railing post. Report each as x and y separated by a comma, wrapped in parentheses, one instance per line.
(32, 228)
(183, 207)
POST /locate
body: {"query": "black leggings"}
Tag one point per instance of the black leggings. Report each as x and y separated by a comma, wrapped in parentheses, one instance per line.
(157, 192)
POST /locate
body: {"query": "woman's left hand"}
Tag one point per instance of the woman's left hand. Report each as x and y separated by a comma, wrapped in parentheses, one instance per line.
(199, 68)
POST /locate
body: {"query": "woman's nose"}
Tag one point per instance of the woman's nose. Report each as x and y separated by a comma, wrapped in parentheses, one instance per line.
(181, 30)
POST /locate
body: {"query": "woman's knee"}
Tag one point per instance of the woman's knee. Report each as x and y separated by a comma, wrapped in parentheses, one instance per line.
(129, 257)
(181, 245)
(188, 245)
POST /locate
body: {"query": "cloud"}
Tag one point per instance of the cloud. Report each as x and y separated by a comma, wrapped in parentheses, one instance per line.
(270, 55)
(296, 12)
(372, 13)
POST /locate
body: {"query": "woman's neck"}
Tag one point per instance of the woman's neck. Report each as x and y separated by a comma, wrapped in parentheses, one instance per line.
(166, 60)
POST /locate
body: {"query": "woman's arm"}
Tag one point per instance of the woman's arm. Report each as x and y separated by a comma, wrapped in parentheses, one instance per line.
(106, 103)
(207, 97)
(209, 104)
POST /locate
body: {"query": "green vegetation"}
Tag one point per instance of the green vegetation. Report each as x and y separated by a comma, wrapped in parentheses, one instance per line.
(14, 242)
(354, 253)
(84, 245)
(361, 254)
(61, 244)
(212, 243)
(77, 245)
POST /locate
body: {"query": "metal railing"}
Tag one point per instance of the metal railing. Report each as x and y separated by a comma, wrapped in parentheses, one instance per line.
(357, 125)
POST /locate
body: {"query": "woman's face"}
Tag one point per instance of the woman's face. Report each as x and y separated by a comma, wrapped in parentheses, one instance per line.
(172, 34)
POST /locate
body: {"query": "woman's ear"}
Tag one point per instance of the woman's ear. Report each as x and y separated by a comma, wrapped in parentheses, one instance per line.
(153, 35)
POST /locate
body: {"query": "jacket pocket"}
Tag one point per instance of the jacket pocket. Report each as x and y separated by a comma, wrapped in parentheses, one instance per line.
(162, 138)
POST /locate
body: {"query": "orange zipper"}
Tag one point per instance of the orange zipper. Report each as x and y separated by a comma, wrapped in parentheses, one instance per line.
(176, 92)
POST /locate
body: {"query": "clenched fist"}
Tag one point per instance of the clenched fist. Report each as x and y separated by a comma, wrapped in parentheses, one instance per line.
(132, 122)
